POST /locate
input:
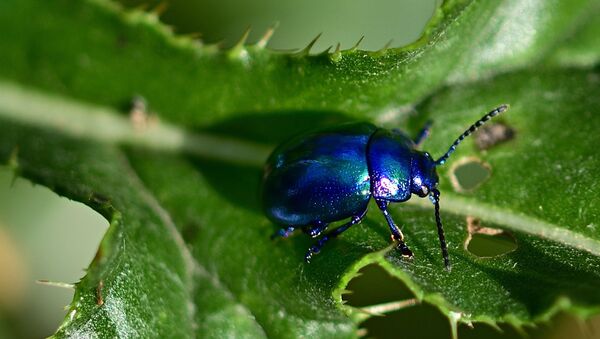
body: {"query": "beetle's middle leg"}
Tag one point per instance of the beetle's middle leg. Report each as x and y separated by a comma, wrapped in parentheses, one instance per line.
(316, 248)
(423, 134)
(397, 235)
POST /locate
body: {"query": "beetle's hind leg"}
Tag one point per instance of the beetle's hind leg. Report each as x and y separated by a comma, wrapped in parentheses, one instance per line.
(316, 248)
(283, 232)
(397, 235)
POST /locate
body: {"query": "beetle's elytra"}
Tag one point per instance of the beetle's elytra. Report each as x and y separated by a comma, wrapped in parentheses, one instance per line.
(330, 175)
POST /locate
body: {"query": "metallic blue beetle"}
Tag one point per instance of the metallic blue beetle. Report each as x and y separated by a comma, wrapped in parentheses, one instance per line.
(330, 175)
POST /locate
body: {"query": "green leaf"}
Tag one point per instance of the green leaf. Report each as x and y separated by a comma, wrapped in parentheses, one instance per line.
(79, 48)
(188, 250)
(521, 33)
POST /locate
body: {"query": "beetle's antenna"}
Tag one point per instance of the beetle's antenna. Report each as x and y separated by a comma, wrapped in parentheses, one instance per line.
(470, 131)
(436, 202)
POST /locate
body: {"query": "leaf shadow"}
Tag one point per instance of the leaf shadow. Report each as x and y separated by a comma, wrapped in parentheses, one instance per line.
(239, 184)
(275, 127)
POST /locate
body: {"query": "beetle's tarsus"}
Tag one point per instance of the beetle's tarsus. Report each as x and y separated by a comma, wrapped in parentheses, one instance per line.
(315, 249)
(404, 250)
(448, 265)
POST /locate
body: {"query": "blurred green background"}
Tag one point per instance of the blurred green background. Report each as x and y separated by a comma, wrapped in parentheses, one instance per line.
(43, 236)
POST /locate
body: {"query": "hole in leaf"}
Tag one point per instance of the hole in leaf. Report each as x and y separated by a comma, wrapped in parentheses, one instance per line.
(373, 285)
(468, 173)
(493, 134)
(487, 242)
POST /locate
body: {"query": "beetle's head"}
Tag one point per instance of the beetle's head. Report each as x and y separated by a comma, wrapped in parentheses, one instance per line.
(424, 176)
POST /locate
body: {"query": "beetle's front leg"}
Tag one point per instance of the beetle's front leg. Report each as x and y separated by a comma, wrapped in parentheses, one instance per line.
(397, 235)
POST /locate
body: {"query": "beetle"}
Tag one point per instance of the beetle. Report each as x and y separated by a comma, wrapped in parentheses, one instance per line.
(330, 175)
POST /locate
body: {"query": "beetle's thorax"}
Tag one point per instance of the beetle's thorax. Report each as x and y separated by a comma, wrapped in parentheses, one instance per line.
(423, 174)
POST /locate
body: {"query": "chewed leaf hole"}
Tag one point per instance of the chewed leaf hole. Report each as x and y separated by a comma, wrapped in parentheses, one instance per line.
(493, 134)
(487, 242)
(468, 173)
(485, 246)
(391, 306)
(372, 285)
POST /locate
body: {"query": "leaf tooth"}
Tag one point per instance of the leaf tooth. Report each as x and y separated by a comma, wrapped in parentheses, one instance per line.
(345, 291)
(388, 44)
(160, 8)
(326, 51)
(383, 49)
(454, 318)
(336, 56)
(264, 40)
(517, 325)
(238, 51)
(355, 47)
(459, 317)
(243, 38)
(310, 45)
(494, 325)
(194, 37)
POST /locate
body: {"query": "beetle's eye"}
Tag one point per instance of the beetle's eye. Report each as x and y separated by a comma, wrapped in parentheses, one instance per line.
(425, 190)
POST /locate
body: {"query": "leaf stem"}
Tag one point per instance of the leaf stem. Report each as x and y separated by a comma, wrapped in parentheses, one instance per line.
(82, 120)
(513, 220)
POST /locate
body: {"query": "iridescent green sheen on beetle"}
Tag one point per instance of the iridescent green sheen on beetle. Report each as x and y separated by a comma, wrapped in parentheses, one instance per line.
(330, 175)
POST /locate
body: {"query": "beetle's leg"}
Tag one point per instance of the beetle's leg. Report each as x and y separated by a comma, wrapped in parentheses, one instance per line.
(283, 232)
(397, 235)
(423, 134)
(316, 248)
(316, 230)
